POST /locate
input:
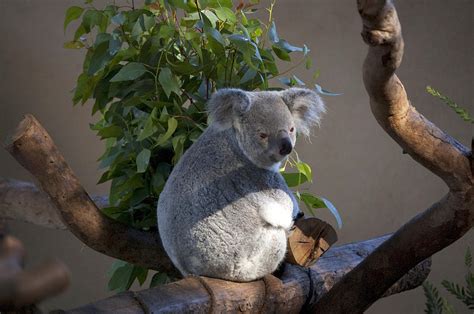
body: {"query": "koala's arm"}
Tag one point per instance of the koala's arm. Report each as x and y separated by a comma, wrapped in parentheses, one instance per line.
(277, 208)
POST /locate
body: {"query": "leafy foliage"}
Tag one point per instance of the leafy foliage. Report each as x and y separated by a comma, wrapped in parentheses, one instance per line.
(149, 71)
(461, 112)
(438, 305)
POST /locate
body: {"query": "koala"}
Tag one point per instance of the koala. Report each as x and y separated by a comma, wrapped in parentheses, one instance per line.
(225, 210)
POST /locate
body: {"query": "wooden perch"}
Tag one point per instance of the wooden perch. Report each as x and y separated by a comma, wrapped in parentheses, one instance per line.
(299, 287)
(442, 223)
(34, 149)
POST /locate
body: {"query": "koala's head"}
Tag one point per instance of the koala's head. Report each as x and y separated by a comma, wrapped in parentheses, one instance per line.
(266, 123)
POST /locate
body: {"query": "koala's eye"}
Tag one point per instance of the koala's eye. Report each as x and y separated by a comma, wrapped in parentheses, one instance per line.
(292, 129)
(263, 135)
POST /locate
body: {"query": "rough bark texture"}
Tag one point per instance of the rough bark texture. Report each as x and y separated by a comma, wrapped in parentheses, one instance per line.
(442, 223)
(298, 288)
(34, 149)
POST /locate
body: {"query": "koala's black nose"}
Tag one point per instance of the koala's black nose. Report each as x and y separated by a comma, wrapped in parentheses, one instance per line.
(285, 146)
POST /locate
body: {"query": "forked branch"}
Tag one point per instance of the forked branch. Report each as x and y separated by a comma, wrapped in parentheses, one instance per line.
(34, 149)
(441, 224)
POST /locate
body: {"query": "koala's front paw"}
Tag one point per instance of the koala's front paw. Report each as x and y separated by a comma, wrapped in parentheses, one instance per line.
(276, 214)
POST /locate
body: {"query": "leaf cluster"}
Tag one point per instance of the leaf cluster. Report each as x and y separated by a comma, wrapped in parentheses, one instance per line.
(435, 304)
(460, 111)
(148, 72)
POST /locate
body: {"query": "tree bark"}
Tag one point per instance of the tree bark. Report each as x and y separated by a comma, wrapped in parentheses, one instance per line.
(34, 149)
(23, 201)
(444, 222)
(298, 288)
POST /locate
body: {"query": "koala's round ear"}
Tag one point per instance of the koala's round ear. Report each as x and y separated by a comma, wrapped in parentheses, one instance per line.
(225, 103)
(306, 107)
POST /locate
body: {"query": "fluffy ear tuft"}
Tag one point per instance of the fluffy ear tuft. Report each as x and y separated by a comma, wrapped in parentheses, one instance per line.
(225, 103)
(306, 107)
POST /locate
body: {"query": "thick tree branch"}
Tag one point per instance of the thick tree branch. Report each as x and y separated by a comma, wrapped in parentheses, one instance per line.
(441, 224)
(23, 201)
(298, 288)
(34, 149)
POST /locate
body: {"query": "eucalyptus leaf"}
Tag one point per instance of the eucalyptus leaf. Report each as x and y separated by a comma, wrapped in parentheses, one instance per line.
(129, 72)
(169, 82)
(325, 92)
(72, 13)
(143, 159)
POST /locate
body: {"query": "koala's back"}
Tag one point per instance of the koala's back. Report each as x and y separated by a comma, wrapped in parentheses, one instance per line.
(208, 212)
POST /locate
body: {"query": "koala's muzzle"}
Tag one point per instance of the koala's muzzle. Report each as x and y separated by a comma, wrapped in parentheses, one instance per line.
(285, 146)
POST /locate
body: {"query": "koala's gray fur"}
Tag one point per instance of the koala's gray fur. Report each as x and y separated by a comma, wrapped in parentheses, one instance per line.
(225, 209)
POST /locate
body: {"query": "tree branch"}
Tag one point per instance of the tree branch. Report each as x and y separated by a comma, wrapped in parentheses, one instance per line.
(34, 149)
(20, 288)
(23, 201)
(298, 288)
(441, 224)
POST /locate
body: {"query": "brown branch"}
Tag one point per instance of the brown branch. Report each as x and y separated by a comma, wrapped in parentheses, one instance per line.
(34, 149)
(34, 285)
(298, 287)
(20, 288)
(441, 224)
(23, 201)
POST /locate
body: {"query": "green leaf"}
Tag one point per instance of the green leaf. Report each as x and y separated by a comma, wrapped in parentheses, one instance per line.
(140, 273)
(315, 202)
(216, 41)
(211, 17)
(294, 179)
(72, 13)
(118, 19)
(110, 131)
(159, 279)
(226, 15)
(305, 169)
(333, 211)
(172, 125)
(121, 278)
(272, 34)
(434, 303)
(461, 112)
(73, 45)
(149, 127)
(249, 75)
(468, 258)
(142, 160)
(169, 82)
(91, 18)
(129, 72)
(287, 47)
(248, 49)
(99, 58)
(281, 54)
(325, 92)
(178, 147)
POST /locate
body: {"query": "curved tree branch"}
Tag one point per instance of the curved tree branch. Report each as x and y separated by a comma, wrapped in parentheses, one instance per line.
(23, 201)
(34, 149)
(442, 223)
